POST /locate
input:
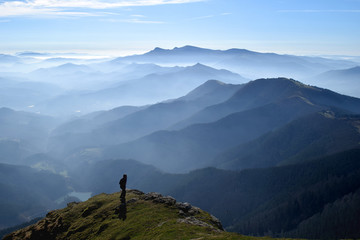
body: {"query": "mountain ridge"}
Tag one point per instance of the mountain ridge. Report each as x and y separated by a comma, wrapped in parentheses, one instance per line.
(263, 91)
(295, 142)
(242, 61)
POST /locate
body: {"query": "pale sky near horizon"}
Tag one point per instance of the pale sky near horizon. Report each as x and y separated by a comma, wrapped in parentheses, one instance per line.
(110, 27)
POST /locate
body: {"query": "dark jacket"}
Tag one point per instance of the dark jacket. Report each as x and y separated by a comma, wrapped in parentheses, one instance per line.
(122, 183)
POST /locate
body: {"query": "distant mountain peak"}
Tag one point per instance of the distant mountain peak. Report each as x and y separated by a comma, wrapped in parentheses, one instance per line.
(179, 50)
(190, 48)
(354, 69)
(200, 66)
(6, 110)
(240, 51)
(280, 80)
(71, 67)
(157, 51)
(214, 82)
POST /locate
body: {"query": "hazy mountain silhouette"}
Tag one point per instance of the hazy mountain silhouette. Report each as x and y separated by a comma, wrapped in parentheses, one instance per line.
(91, 121)
(163, 115)
(348, 74)
(257, 108)
(152, 118)
(264, 91)
(309, 137)
(70, 76)
(27, 193)
(161, 86)
(14, 151)
(116, 90)
(21, 94)
(192, 147)
(67, 68)
(28, 127)
(248, 63)
(8, 61)
(274, 130)
(345, 81)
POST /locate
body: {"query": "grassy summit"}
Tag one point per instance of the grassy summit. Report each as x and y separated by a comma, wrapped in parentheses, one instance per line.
(148, 216)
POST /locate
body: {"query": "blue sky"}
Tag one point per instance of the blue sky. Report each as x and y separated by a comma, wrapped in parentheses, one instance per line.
(109, 27)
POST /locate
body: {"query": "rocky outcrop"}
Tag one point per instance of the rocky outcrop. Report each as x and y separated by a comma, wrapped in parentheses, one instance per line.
(47, 228)
(186, 210)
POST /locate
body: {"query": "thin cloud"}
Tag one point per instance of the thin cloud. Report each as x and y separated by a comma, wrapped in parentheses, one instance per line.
(321, 11)
(202, 17)
(133, 20)
(209, 16)
(138, 16)
(61, 7)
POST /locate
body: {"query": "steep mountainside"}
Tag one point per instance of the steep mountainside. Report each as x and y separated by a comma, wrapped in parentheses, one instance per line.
(144, 216)
(309, 137)
(265, 91)
(27, 193)
(163, 115)
(144, 121)
(278, 201)
(192, 147)
(283, 199)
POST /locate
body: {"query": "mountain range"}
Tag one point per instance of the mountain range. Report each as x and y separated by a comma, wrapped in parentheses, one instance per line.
(143, 121)
(268, 156)
(260, 107)
(242, 61)
(101, 84)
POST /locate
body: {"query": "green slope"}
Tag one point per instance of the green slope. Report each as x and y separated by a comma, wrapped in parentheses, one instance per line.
(148, 216)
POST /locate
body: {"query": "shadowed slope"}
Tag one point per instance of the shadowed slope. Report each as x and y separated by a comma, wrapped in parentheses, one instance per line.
(265, 91)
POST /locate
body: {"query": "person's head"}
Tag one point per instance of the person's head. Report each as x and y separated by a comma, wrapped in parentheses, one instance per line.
(124, 176)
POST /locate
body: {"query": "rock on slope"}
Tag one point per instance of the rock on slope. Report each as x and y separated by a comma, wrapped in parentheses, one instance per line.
(146, 216)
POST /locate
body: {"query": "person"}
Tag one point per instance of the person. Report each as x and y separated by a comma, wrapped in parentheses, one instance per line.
(122, 183)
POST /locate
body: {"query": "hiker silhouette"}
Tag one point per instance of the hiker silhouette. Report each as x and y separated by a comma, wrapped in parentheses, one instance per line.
(122, 183)
(122, 208)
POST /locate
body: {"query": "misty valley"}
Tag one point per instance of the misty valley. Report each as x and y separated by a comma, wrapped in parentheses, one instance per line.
(267, 143)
